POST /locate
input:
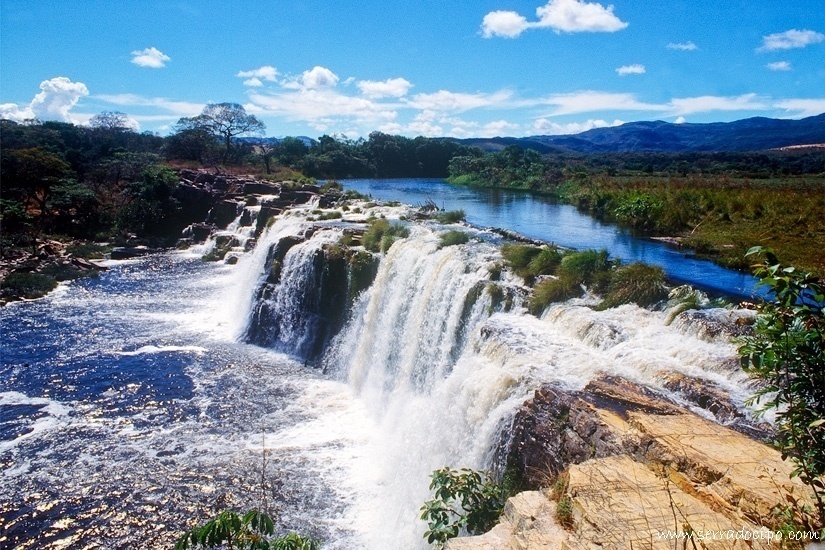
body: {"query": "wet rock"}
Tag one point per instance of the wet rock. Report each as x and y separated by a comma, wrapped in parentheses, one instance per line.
(222, 213)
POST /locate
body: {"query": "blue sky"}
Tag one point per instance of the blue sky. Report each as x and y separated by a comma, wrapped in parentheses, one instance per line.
(417, 67)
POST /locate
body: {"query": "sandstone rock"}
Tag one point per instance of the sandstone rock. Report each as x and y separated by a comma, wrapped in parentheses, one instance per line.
(222, 213)
(678, 473)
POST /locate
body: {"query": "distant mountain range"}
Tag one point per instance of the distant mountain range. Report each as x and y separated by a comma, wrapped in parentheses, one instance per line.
(750, 134)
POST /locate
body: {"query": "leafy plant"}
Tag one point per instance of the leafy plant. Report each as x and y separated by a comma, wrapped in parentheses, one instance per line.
(248, 531)
(463, 499)
(787, 353)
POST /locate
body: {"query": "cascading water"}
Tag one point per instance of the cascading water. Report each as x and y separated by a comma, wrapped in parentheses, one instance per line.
(428, 367)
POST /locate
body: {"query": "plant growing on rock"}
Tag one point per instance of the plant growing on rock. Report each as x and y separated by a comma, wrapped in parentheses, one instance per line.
(452, 237)
(463, 499)
(637, 283)
(787, 354)
(381, 235)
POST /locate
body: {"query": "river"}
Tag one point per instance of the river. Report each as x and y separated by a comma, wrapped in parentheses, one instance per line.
(541, 218)
(131, 405)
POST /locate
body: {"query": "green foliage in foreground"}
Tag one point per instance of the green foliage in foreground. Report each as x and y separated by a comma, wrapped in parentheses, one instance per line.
(252, 530)
(463, 499)
(787, 354)
(380, 235)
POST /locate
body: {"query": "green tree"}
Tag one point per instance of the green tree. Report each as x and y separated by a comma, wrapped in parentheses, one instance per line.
(34, 172)
(225, 121)
(787, 354)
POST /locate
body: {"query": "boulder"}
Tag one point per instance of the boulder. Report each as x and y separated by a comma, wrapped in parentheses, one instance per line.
(126, 252)
(223, 213)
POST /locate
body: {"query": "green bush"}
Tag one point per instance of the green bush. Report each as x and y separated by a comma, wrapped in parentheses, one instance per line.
(519, 256)
(786, 353)
(463, 499)
(27, 285)
(546, 262)
(583, 267)
(451, 238)
(637, 283)
(380, 235)
(553, 290)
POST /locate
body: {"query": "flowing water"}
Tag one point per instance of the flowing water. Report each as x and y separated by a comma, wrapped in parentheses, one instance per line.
(130, 405)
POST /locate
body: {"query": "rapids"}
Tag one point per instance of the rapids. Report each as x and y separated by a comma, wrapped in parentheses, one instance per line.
(132, 404)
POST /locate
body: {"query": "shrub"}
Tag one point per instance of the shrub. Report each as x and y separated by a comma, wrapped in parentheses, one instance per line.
(451, 216)
(564, 511)
(27, 285)
(380, 235)
(248, 531)
(583, 267)
(786, 353)
(638, 283)
(463, 499)
(553, 290)
(451, 238)
(519, 256)
(545, 262)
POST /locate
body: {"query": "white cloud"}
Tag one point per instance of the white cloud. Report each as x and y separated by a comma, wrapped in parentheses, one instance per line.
(150, 57)
(631, 69)
(393, 87)
(705, 104)
(779, 66)
(683, 46)
(802, 107)
(318, 77)
(56, 98)
(559, 15)
(457, 102)
(680, 120)
(255, 77)
(591, 101)
(498, 128)
(175, 108)
(578, 16)
(508, 24)
(548, 127)
(789, 40)
(322, 106)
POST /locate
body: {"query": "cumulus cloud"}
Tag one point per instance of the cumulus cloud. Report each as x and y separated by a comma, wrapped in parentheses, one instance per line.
(150, 57)
(789, 40)
(680, 120)
(393, 87)
(683, 46)
(321, 106)
(560, 15)
(508, 24)
(631, 69)
(779, 66)
(318, 77)
(56, 98)
(548, 127)
(255, 77)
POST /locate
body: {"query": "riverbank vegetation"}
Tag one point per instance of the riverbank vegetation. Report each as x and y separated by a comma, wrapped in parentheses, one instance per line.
(718, 205)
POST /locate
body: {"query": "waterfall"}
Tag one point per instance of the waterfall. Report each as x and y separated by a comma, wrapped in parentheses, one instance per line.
(440, 362)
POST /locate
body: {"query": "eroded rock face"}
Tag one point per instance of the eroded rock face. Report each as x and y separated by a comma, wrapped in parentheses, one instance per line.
(638, 467)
